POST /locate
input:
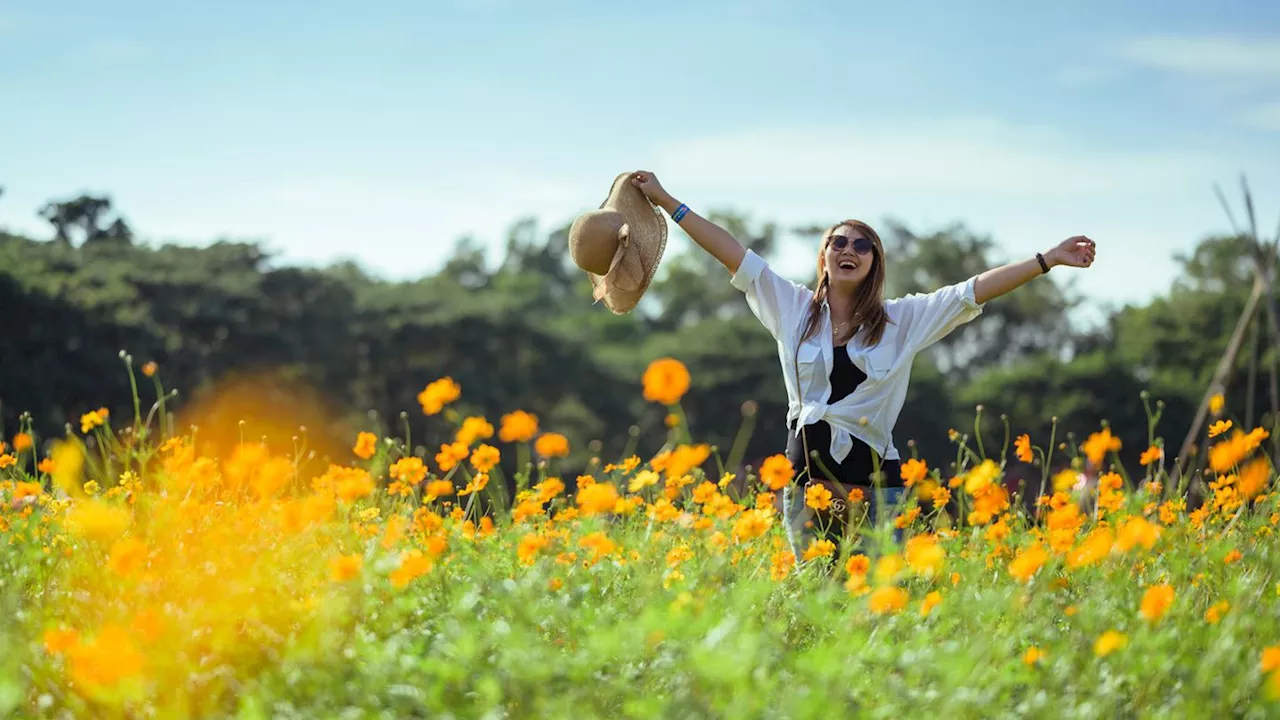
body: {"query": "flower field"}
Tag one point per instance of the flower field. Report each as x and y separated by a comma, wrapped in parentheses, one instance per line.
(146, 573)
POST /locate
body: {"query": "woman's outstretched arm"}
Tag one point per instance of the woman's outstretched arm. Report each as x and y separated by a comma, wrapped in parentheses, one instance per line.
(711, 237)
(1077, 251)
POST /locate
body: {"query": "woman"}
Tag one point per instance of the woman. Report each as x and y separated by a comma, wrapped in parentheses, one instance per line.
(846, 352)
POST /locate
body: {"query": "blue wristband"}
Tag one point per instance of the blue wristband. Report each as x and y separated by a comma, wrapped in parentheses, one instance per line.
(680, 212)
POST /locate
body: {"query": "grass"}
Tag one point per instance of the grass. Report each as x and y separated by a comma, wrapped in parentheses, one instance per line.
(150, 573)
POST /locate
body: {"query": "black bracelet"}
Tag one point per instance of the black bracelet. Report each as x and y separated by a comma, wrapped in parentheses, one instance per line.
(1043, 266)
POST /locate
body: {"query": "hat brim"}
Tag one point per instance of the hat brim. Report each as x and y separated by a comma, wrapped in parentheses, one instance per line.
(647, 240)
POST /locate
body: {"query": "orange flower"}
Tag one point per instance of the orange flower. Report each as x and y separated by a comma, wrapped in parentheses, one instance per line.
(887, 600)
(485, 458)
(913, 471)
(344, 567)
(666, 380)
(597, 498)
(776, 472)
(857, 565)
(1270, 658)
(1028, 562)
(1156, 601)
(552, 445)
(409, 469)
(21, 441)
(1150, 455)
(438, 488)
(930, 601)
(474, 428)
(150, 369)
(435, 396)
(518, 426)
(1099, 444)
(366, 445)
(1022, 447)
(1033, 655)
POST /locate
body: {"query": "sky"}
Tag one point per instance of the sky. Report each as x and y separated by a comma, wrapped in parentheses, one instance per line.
(382, 132)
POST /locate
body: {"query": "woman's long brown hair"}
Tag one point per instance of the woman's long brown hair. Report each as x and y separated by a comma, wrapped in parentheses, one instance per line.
(868, 299)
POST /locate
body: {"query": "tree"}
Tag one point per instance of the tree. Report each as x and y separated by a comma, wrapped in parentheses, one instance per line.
(86, 213)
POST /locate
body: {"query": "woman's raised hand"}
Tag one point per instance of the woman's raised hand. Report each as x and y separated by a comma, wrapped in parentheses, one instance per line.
(1077, 251)
(648, 184)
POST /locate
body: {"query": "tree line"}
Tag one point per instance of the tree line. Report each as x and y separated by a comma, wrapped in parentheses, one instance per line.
(522, 333)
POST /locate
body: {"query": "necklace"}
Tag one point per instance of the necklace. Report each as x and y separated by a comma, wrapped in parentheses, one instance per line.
(835, 329)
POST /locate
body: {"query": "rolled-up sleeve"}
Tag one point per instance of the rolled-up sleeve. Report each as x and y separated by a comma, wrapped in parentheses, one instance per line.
(776, 301)
(929, 317)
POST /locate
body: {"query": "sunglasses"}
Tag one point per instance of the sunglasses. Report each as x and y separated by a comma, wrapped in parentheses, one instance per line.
(862, 246)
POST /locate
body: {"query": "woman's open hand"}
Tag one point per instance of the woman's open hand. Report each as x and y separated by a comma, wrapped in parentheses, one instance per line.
(1077, 251)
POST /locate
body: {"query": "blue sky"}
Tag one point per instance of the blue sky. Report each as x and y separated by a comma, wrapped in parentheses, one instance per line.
(384, 131)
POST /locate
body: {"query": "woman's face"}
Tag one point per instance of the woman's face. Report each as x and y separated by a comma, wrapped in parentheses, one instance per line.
(849, 257)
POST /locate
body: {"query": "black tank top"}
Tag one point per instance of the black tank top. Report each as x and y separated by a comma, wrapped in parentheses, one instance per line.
(857, 467)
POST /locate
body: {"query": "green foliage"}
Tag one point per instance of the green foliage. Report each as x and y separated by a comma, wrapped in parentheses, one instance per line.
(525, 335)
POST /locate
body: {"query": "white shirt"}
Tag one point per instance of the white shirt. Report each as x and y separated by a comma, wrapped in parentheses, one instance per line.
(916, 321)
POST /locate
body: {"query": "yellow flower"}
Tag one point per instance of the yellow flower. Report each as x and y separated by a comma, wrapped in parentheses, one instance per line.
(925, 555)
(552, 445)
(752, 524)
(91, 420)
(518, 426)
(97, 520)
(665, 381)
(435, 396)
(1108, 642)
(344, 567)
(1033, 655)
(643, 479)
(776, 471)
(1022, 447)
(1219, 427)
(887, 600)
(781, 563)
(817, 497)
(819, 549)
(1215, 404)
(366, 445)
(1156, 601)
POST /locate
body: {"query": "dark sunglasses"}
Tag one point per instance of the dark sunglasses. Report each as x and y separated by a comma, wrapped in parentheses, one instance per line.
(862, 246)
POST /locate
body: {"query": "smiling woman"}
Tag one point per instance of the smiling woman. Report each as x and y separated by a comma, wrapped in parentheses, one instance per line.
(846, 351)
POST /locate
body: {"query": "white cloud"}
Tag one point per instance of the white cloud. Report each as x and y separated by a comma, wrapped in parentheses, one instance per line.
(1207, 55)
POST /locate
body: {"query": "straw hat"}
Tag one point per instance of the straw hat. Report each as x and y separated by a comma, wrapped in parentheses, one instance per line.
(619, 245)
